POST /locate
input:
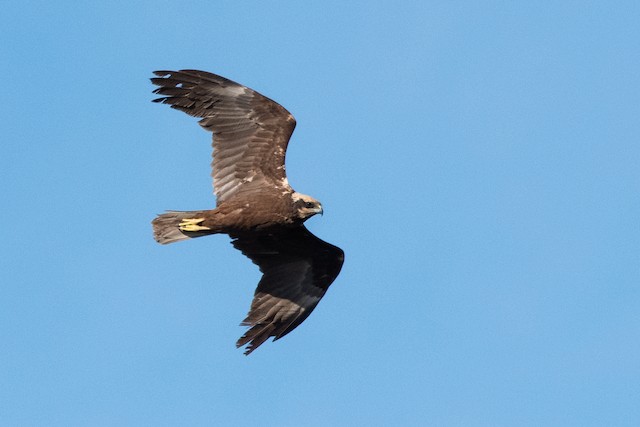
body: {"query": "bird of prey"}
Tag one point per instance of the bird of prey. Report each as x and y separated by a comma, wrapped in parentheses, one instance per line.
(255, 205)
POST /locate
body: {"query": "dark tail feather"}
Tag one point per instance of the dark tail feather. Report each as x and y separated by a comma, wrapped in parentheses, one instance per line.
(166, 227)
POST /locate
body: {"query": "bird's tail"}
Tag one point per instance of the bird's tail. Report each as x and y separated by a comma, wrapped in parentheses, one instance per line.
(174, 226)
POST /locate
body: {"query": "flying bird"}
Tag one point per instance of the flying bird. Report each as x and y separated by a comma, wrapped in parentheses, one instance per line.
(255, 205)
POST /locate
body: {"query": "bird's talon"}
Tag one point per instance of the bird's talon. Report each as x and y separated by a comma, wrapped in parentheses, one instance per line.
(191, 224)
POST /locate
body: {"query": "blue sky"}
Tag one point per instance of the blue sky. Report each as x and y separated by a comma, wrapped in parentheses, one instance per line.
(478, 163)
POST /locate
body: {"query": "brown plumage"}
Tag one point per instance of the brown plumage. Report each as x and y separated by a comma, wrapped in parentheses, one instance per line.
(256, 206)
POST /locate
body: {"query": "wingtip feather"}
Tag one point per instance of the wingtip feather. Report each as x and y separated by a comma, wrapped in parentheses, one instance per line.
(162, 73)
(255, 337)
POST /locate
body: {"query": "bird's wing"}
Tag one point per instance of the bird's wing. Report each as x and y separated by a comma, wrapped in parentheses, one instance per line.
(297, 269)
(250, 131)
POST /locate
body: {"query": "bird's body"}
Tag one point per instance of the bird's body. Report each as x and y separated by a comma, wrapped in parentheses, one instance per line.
(243, 213)
(256, 206)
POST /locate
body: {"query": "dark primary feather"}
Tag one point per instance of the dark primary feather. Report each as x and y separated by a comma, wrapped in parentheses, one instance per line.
(250, 131)
(297, 270)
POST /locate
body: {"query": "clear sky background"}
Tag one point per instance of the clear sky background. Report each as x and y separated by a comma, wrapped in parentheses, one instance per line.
(477, 161)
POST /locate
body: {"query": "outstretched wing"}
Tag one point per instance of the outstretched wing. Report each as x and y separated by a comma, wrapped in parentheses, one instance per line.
(297, 270)
(250, 131)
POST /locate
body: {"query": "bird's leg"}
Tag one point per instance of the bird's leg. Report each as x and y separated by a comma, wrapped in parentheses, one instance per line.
(191, 224)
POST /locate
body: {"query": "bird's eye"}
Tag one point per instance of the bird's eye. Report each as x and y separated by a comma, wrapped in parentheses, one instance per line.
(309, 205)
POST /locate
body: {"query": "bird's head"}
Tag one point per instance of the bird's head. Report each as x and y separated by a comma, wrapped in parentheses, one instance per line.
(305, 206)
